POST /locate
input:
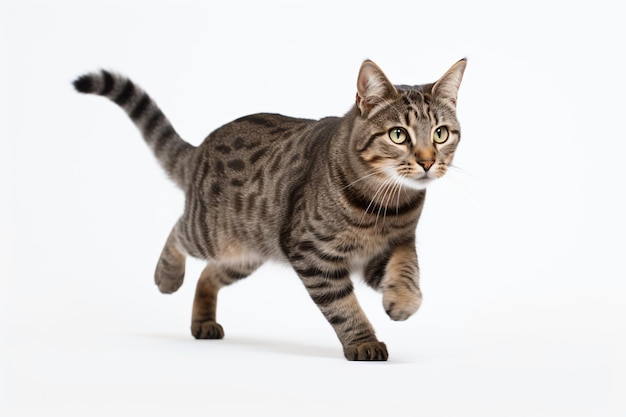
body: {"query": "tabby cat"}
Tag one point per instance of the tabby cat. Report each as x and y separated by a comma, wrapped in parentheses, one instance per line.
(328, 196)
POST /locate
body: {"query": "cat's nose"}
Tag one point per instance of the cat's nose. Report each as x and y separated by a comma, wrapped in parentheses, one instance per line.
(425, 157)
(426, 164)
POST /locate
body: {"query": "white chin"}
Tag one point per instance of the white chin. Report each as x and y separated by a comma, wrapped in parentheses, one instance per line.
(412, 183)
(415, 184)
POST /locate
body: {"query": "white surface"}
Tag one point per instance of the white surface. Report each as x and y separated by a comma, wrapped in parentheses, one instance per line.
(521, 250)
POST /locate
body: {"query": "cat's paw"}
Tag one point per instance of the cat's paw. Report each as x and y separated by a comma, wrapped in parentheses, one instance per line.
(368, 351)
(401, 303)
(207, 330)
(168, 286)
(169, 279)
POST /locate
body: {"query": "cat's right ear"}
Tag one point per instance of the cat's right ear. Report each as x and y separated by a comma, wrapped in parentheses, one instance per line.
(373, 88)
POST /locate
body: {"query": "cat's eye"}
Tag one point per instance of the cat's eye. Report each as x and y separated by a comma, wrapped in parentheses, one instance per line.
(398, 135)
(441, 134)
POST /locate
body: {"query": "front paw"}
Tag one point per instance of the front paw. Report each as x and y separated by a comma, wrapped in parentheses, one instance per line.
(207, 330)
(400, 303)
(368, 351)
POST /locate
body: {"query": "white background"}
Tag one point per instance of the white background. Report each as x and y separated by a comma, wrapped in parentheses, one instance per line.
(521, 248)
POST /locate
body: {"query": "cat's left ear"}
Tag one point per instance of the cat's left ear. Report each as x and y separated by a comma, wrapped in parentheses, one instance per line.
(448, 86)
(373, 88)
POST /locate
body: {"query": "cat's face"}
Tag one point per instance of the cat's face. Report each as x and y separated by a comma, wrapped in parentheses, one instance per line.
(407, 135)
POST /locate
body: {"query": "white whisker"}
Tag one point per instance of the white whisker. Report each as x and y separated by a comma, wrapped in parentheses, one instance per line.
(384, 200)
(380, 188)
(376, 172)
(463, 186)
(463, 171)
(400, 189)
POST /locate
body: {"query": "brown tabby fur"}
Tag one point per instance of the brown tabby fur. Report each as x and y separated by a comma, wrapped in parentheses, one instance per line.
(328, 197)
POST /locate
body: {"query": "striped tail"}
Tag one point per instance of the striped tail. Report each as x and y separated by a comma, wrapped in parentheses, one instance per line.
(168, 147)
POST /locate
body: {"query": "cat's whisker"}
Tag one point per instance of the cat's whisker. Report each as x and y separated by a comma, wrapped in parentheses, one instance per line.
(369, 205)
(400, 189)
(394, 188)
(379, 191)
(384, 203)
(376, 172)
(463, 187)
(382, 207)
(463, 171)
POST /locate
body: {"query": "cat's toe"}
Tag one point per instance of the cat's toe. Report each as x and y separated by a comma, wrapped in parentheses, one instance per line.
(207, 330)
(368, 351)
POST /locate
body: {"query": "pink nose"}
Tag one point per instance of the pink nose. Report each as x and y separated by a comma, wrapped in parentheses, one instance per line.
(426, 164)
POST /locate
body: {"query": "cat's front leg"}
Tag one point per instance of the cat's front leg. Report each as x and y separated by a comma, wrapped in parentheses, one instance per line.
(332, 291)
(396, 274)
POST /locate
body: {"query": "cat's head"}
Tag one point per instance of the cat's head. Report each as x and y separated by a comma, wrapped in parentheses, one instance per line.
(406, 133)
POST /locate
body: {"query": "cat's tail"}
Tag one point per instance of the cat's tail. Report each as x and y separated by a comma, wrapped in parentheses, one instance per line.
(168, 147)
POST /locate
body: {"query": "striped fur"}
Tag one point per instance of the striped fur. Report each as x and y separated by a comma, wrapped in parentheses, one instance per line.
(167, 145)
(329, 197)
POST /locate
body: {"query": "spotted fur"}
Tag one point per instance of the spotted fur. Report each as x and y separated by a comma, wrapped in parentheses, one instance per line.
(327, 196)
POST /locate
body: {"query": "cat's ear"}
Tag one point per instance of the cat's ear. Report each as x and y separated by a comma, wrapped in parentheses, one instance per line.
(448, 86)
(373, 88)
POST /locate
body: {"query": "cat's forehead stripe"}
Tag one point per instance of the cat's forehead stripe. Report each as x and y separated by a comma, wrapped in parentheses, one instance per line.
(407, 117)
(417, 103)
(415, 112)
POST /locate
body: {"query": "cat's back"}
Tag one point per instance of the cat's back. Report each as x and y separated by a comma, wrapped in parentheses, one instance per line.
(250, 132)
(258, 151)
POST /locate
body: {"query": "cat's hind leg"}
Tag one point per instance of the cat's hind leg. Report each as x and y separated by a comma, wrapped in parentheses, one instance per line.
(170, 270)
(214, 277)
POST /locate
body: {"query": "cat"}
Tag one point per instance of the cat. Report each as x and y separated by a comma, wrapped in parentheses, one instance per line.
(328, 196)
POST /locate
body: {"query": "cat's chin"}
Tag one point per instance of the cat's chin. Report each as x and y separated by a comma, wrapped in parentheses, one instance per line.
(413, 183)
(417, 184)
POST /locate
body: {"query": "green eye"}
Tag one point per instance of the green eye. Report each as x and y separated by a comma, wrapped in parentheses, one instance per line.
(441, 134)
(398, 135)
